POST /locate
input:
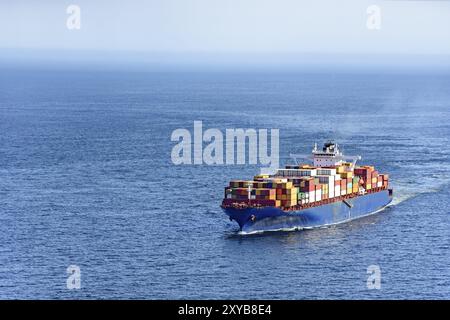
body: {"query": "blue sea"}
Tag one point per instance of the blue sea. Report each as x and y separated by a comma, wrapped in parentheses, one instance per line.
(86, 179)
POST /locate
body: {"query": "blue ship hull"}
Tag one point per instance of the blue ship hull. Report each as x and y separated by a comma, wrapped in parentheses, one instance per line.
(272, 218)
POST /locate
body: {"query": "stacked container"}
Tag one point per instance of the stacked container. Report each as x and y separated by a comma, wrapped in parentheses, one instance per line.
(307, 186)
(365, 174)
(287, 194)
(302, 184)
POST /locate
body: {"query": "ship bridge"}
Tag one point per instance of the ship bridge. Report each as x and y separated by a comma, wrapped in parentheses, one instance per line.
(328, 156)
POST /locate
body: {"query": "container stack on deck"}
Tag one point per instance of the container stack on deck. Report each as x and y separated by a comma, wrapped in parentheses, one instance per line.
(304, 184)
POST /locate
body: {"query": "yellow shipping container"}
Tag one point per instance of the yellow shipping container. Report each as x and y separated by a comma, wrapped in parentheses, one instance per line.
(290, 197)
(368, 186)
(292, 191)
(347, 175)
(374, 180)
(340, 169)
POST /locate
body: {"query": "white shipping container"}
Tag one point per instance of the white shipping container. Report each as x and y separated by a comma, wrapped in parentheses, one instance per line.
(318, 195)
(330, 192)
(379, 184)
(337, 191)
(343, 192)
(312, 196)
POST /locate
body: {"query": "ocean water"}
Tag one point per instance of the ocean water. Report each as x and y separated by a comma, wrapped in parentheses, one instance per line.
(86, 179)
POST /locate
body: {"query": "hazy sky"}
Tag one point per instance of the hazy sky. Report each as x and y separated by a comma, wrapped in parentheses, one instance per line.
(229, 26)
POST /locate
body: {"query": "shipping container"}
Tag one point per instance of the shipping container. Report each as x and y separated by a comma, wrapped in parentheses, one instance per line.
(318, 195)
(340, 169)
(337, 191)
(331, 192)
(347, 175)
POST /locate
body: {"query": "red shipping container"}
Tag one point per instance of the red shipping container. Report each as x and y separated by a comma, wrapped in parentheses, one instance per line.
(364, 173)
(308, 188)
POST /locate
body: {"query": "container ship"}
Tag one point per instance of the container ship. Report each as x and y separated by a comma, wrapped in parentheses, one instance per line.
(331, 190)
